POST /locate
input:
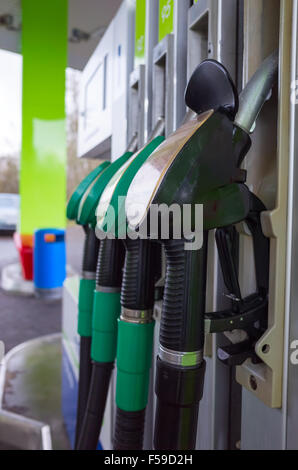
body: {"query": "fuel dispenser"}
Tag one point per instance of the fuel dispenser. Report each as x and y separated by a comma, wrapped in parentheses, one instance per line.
(234, 302)
(180, 369)
(191, 155)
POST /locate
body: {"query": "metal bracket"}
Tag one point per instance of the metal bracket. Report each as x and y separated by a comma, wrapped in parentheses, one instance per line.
(136, 103)
(265, 380)
(163, 83)
(212, 34)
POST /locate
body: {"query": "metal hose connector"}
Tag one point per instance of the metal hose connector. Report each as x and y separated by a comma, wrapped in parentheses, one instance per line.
(256, 92)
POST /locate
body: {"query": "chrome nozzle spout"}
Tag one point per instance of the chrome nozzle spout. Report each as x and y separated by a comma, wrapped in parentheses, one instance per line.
(254, 95)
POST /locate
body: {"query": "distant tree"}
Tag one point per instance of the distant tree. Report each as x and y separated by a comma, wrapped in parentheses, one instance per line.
(77, 168)
(9, 174)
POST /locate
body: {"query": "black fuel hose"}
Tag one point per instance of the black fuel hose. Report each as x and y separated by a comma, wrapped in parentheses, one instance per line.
(135, 342)
(180, 365)
(90, 255)
(104, 338)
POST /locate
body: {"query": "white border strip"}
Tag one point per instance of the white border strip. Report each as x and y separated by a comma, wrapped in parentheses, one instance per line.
(289, 233)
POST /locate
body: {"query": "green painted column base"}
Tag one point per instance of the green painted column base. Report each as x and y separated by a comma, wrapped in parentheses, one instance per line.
(86, 293)
(134, 355)
(106, 311)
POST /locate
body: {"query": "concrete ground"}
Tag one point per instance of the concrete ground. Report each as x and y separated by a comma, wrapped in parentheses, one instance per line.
(24, 318)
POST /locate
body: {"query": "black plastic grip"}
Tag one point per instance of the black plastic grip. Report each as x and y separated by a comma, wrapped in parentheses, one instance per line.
(241, 145)
(92, 422)
(182, 319)
(142, 261)
(129, 430)
(179, 391)
(84, 382)
(91, 247)
(110, 263)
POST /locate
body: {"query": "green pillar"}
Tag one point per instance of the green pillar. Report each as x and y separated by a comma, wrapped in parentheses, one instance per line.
(43, 158)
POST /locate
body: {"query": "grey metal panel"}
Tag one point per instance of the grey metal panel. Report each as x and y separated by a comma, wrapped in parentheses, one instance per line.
(199, 34)
(205, 424)
(228, 32)
(221, 385)
(180, 59)
(151, 40)
(124, 28)
(163, 83)
(214, 407)
(261, 425)
(136, 106)
(264, 427)
(197, 11)
(150, 412)
(103, 150)
(212, 34)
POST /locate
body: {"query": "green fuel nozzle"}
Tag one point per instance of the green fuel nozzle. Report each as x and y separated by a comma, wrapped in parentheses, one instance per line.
(135, 325)
(105, 194)
(86, 289)
(105, 311)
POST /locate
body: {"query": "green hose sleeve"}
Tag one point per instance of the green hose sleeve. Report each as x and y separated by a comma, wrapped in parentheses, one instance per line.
(85, 307)
(134, 355)
(106, 311)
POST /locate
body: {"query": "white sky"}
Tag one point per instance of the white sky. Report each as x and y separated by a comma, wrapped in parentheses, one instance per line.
(10, 103)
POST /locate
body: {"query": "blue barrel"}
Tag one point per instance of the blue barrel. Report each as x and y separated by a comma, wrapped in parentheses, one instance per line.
(49, 262)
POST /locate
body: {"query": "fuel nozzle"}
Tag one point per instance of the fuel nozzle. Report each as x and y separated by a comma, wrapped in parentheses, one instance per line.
(86, 289)
(106, 194)
(104, 300)
(136, 324)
